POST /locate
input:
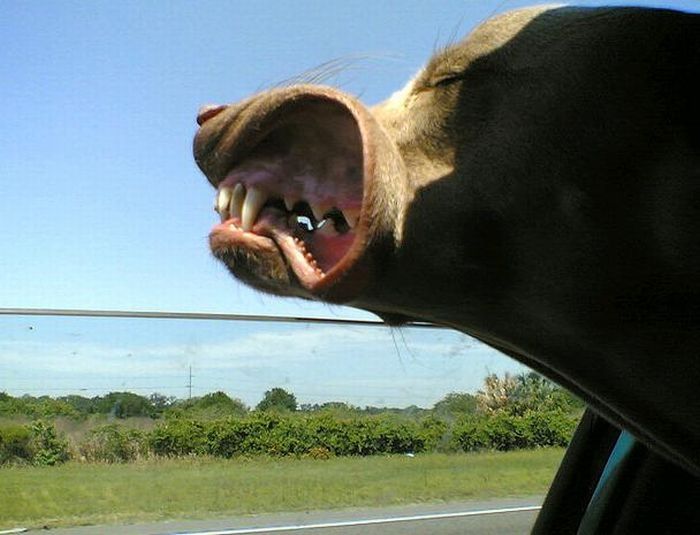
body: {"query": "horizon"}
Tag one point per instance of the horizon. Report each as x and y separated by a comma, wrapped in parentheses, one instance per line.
(358, 364)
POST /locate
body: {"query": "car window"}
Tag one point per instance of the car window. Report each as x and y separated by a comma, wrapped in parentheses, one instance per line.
(136, 374)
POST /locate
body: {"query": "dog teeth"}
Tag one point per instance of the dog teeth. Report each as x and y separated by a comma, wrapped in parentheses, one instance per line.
(289, 202)
(254, 201)
(351, 215)
(326, 228)
(319, 211)
(229, 202)
(223, 199)
(237, 202)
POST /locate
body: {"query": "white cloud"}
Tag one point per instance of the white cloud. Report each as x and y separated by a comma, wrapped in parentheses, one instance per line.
(360, 364)
(253, 349)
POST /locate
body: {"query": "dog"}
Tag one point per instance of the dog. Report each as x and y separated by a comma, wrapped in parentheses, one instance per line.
(536, 185)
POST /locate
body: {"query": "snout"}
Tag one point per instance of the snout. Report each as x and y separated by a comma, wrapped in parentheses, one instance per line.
(302, 153)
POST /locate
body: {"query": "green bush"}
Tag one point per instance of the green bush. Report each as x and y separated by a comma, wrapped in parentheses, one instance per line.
(124, 405)
(248, 436)
(15, 444)
(214, 406)
(435, 434)
(41, 407)
(373, 435)
(38, 443)
(469, 434)
(507, 432)
(225, 438)
(177, 438)
(277, 435)
(291, 436)
(319, 434)
(552, 428)
(504, 431)
(263, 433)
(113, 444)
(47, 447)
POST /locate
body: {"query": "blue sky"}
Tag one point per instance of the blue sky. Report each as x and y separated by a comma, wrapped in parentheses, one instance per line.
(358, 365)
(102, 206)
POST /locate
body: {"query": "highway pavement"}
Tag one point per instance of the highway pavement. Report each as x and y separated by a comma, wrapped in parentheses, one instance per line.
(504, 516)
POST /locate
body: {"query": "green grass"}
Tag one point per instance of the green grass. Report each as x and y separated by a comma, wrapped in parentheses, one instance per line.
(76, 494)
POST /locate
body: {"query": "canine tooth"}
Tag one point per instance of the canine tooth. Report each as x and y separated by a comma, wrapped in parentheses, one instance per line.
(254, 201)
(289, 202)
(237, 200)
(327, 229)
(351, 215)
(223, 198)
(318, 211)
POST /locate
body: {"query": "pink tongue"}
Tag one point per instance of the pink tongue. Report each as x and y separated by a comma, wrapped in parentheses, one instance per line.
(304, 271)
(328, 250)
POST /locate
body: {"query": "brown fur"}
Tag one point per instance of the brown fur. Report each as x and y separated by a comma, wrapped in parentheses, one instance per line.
(536, 186)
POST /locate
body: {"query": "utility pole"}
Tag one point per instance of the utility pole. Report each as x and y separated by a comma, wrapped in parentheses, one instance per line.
(189, 383)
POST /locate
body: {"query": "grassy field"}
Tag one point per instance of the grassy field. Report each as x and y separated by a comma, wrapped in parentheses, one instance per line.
(77, 494)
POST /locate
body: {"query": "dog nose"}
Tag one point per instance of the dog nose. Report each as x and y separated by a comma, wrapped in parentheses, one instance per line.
(208, 111)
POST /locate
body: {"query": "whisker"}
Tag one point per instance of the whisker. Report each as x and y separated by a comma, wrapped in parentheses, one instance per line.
(331, 69)
(314, 72)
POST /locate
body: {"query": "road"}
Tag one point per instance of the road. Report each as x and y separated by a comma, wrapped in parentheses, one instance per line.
(495, 517)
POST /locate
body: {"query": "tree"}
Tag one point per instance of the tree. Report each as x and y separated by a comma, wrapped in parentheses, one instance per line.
(328, 406)
(522, 393)
(212, 406)
(218, 405)
(124, 405)
(161, 402)
(536, 393)
(456, 404)
(80, 403)
(497, 394)
(277, 399)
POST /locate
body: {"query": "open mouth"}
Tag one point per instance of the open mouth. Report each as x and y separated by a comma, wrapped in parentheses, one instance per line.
(297, 193)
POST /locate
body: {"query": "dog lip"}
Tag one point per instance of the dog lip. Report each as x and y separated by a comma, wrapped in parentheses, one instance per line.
(225, 141)
(269, 237)
(229, 135)
(227, 138)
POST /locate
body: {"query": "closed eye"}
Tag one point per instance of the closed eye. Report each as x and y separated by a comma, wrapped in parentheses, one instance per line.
(447, 79)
